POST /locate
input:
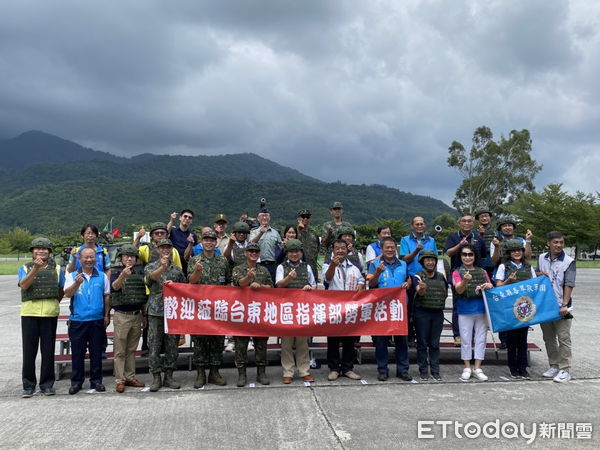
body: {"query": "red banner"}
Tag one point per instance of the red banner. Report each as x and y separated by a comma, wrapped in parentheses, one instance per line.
(234, 311)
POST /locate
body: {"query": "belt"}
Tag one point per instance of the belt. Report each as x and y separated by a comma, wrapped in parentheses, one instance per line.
(129, 313)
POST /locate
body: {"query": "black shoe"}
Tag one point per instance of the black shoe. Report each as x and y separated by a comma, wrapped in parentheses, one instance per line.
(382, 376)
(27, 393)
(48, 391)
(524, 374)
(405, 376)
(424, 377)
(436, 376)
(515, 374)
(99, 387)
(74, 389)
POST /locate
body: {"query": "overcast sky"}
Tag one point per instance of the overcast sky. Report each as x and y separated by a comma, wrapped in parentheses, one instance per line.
(357, 91)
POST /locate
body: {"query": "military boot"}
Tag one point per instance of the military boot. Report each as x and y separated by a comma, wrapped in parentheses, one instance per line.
(215, 377)
(201, 378)
(261, 375)
(169, 381)
(241, 382)
(156, 382)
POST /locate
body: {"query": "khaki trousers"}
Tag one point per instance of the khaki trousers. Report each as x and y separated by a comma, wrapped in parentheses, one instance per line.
(128, 329)
(302, 356)
(557, 337)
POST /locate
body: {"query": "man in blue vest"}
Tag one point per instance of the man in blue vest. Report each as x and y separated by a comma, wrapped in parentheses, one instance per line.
(390, 271)
(90, 315)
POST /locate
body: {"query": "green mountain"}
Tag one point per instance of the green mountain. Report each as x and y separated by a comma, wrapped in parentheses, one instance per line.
(58, 197)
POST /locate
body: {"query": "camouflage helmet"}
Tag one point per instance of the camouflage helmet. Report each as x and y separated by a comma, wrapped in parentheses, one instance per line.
(164, 242)
(304, 212)
(513, 244)
(482, 210)
(252, 246)
(427, 254)
(344, 230)
(128, 249)
(158, 226)
(41, 242)
(241, 227)
(503, 220)
(293, 245)
(209, 235)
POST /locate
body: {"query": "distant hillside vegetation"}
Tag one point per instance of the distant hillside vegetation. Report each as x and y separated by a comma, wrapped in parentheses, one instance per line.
(54, 196)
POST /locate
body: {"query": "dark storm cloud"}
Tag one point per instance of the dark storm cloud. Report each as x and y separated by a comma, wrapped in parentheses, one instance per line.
(362, 92)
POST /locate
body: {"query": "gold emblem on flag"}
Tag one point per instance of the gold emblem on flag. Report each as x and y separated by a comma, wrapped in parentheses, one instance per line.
(524, 309)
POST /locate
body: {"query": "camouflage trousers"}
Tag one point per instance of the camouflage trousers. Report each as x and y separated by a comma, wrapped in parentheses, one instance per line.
(159, 342)
(208, 350)
(241, 351)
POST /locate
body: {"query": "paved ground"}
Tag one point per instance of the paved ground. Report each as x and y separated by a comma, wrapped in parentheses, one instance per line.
(343, 414)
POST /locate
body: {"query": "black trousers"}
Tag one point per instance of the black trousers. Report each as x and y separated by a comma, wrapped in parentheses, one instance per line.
(38, 332)
(517, 348)
(333, 353)
(86, 335)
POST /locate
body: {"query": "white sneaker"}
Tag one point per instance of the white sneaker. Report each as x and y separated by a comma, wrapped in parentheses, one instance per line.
(562, 377)
(550, 373)
(250, 346)
(466, 374)
(480, 375)
(230, 347)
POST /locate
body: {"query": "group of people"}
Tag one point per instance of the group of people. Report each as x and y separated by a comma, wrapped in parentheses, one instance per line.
(129, 291)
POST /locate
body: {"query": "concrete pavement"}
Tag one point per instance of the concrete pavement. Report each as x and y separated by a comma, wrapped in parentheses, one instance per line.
(341, 414)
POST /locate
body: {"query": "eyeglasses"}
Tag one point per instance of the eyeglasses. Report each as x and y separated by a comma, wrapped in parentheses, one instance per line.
(469, 255)
(160, 232)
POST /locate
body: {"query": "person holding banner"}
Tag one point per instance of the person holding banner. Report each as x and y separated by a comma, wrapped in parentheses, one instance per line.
(342, 275)
(515, 269)
(295, 274)
(159, 273)
(560, 268)
(208, 268)
(430, 298)
(389, 271)
(255, 276)
(469, 281)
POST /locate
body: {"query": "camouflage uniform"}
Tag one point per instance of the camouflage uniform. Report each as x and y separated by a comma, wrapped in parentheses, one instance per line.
(157, 339)
(241, 342)
(208, 350)
(310, 246)
(335, 227)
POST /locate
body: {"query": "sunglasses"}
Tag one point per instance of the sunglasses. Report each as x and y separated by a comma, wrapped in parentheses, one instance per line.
(305, 217)
(470, 255)
(186, 217)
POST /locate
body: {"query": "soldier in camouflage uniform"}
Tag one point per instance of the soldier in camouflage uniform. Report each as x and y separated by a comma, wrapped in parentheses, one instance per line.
(487, 231)
(157, 273)
(236, 246)
(295, 274)
(255, 276)
(309, 239)
(127, 299)
(212, 269)
(329, 229)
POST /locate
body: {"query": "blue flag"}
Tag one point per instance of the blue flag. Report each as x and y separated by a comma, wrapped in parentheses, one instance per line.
(522, 304)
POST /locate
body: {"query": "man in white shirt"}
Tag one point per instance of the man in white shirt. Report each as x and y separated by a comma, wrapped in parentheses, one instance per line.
(342, 275)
